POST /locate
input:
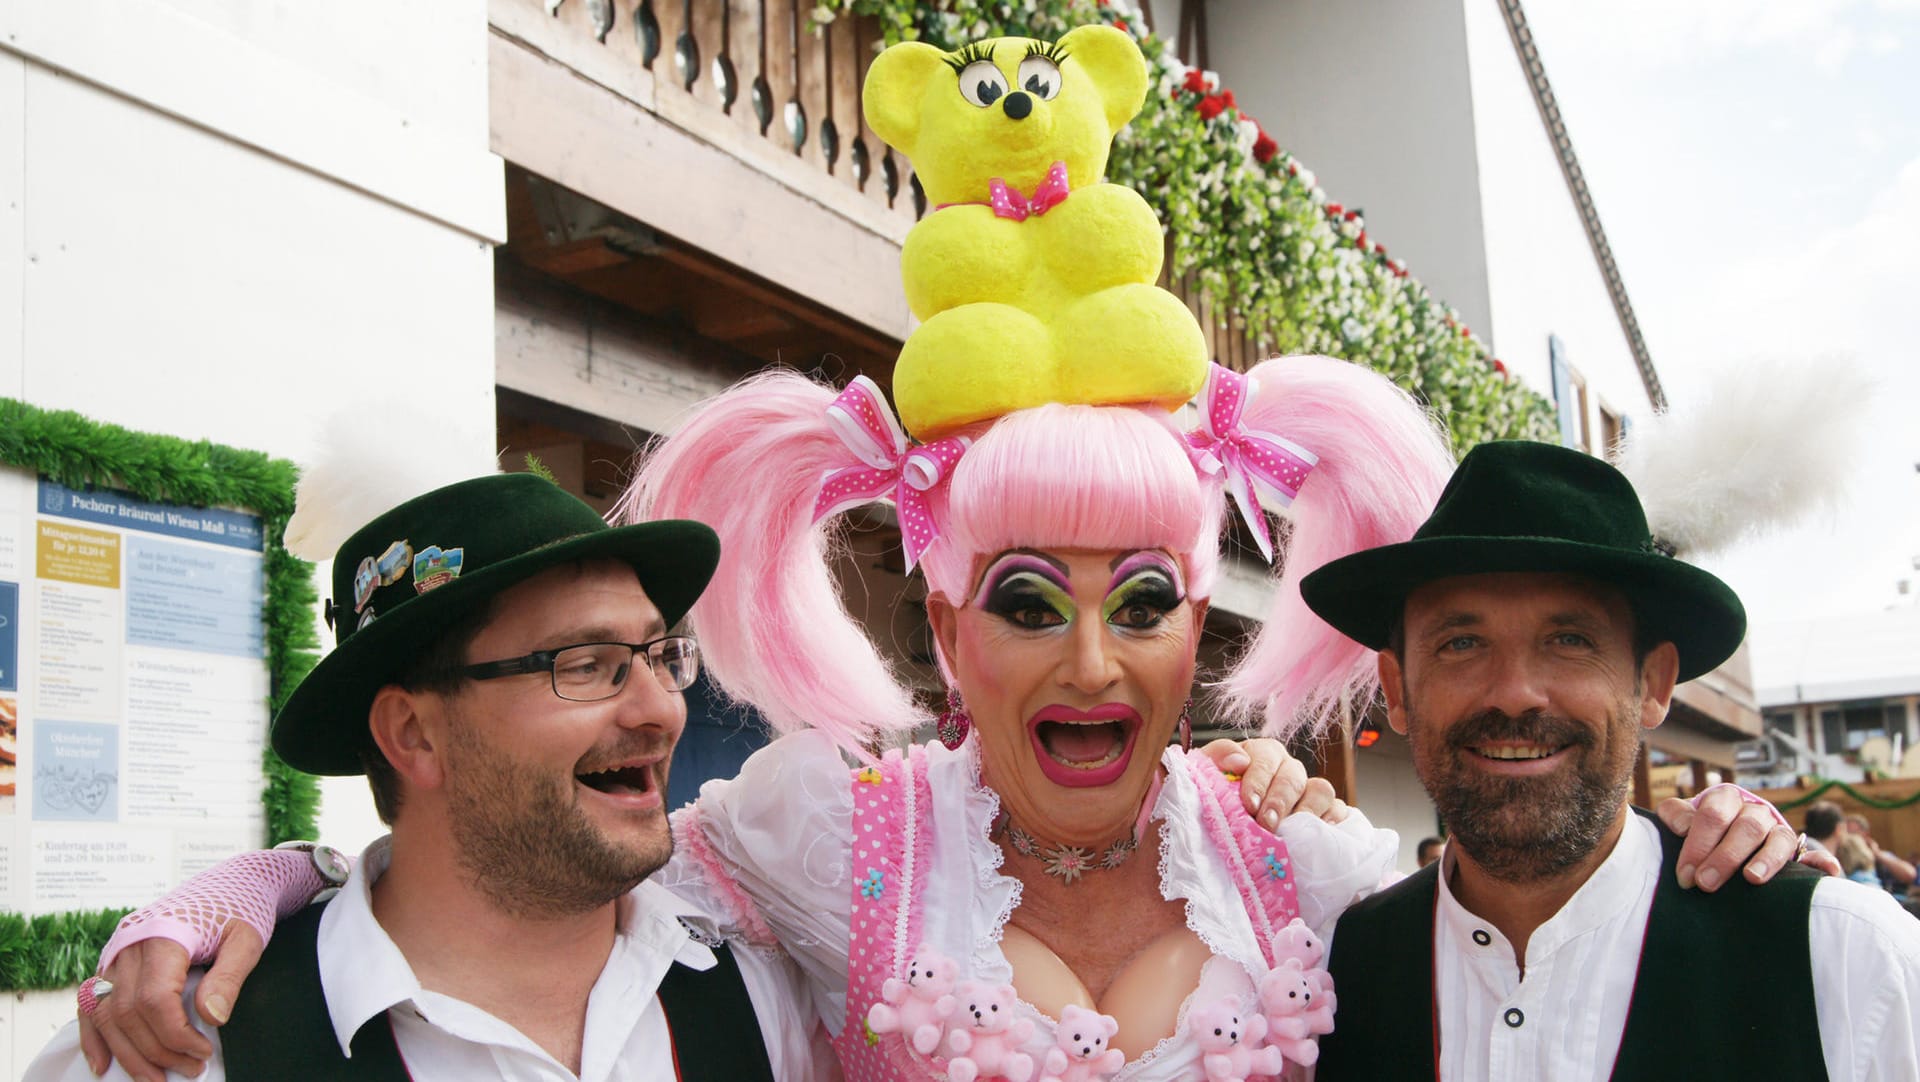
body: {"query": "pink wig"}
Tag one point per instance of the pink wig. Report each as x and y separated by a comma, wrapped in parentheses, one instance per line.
(1383, 462)
(772, 627)
(775, 631)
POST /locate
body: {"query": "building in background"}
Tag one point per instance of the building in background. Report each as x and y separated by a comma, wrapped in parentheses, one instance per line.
(1841, 699)
(550, 226)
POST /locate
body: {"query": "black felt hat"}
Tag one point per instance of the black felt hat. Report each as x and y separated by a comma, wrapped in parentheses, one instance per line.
(400, 580)
(1522, 506)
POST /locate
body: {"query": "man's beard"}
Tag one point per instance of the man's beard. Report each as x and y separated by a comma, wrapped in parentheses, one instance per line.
(1523, 829)
(526, 842)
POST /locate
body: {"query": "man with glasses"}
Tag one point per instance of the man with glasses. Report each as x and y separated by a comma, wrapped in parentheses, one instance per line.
(506, 678)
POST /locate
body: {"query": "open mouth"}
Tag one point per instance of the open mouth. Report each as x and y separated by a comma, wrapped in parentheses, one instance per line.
(1084, 747)
(633, 781)
(1515, 752)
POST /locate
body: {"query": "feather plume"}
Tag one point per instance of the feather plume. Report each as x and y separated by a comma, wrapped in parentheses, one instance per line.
(1767, 446)
(370, 460)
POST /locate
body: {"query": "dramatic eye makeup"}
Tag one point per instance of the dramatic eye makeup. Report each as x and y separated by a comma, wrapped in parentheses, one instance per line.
(1026, 591)
(1145, 587)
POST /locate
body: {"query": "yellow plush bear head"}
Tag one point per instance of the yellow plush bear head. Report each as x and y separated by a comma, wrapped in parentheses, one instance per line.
(1006, 109)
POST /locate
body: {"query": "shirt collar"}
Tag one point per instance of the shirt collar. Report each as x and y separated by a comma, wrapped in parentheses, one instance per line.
(363, 974)
(1612, 891)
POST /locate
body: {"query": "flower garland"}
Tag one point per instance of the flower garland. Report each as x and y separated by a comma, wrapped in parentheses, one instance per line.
(58, 949)
(1246, 217)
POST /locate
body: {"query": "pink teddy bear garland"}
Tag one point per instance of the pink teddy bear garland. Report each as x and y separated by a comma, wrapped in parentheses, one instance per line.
(975, 1025)
(1296, 1007)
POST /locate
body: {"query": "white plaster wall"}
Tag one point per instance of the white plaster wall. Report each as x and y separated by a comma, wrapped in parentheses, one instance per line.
(231, 219)
(1391, 795)
(1542, 277)
(1374, 97)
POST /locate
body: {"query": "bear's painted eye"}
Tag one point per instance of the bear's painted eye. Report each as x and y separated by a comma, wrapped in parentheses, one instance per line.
(982, 84)
(1040, 76)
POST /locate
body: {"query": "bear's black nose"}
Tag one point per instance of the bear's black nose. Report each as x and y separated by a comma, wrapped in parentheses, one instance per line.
(1017, 104)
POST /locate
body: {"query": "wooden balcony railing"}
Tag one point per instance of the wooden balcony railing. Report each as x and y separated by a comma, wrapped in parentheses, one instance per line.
(755, 80)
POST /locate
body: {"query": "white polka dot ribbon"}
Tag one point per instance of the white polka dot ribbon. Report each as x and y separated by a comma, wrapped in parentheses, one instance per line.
(887, 467)
(1254, 465)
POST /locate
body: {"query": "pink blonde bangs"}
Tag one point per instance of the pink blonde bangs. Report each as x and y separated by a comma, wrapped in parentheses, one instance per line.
(1075, 477)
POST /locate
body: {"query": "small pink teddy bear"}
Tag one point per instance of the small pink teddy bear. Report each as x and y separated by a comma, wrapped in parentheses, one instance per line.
(1289, 1000)
(1296, 940)
(917, 1008)
(1080, 1052)
(985, 1041)
(1230, 1044)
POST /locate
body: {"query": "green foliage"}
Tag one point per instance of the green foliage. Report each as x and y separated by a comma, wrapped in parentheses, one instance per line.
(58, 949)
(1266, 245)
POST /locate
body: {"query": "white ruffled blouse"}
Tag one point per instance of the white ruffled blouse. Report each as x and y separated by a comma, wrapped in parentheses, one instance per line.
(782, 829)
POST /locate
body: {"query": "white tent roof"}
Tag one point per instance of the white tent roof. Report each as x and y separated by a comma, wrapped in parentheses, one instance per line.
(1862, 656)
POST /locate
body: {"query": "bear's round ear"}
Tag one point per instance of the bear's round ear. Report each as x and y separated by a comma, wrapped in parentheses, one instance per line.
(1114, 62)
(896, 84)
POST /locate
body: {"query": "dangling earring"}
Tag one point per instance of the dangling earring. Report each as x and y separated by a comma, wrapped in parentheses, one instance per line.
(1186, 726)
(954, 723)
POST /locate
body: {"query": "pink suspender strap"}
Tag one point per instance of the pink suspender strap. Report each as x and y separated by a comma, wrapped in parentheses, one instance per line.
(1257, 860)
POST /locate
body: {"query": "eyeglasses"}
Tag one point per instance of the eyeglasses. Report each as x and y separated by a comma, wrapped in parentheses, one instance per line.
(591, 671)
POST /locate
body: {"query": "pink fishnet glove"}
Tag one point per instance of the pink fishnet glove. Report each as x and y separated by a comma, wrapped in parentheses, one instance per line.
(259, 888)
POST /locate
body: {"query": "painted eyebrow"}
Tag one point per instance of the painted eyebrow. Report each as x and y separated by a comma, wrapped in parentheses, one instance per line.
(1128, 564)
(1059, 567)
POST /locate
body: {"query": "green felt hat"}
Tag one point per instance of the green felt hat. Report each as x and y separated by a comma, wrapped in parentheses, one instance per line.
(405, 576)
(1517, 505)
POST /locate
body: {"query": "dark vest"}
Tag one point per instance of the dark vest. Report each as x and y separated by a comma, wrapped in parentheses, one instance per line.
(280, 1028)
(1724, 989)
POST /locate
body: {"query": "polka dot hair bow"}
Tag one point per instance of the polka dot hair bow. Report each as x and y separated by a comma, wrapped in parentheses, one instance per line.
(886, 468)
(1254, 465)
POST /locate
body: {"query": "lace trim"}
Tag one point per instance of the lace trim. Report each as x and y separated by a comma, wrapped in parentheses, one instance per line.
(983, 807)
(688, 833)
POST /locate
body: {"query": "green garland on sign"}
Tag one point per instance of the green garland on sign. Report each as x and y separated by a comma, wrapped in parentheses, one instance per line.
(1268, 247)
(57, 950)
(1855, 794)
(77, 452)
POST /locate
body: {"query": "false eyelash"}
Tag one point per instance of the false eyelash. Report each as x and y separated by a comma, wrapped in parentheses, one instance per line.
(1052, 50)
(972, 52)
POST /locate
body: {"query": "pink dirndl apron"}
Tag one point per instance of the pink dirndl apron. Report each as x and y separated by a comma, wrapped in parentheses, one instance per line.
(892, 838)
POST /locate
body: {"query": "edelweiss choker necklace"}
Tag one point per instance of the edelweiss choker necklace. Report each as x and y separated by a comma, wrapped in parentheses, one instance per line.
(1069, 862)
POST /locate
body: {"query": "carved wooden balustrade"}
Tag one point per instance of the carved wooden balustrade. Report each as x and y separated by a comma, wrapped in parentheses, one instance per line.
(754, 79)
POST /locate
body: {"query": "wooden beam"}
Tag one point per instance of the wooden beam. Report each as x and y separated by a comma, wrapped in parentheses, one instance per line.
(547, 119)
(1643, 779)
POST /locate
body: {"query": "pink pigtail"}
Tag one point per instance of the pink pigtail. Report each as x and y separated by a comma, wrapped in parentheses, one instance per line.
(1382, 463)
(772, 626)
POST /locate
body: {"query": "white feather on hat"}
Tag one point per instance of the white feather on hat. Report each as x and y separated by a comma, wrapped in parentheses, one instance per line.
(369, 461)
(1767, 446)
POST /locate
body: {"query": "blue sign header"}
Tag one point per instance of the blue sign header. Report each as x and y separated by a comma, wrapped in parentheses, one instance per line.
(108, 507)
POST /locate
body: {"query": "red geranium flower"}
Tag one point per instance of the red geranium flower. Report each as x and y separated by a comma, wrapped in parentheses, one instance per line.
(1264, 148)
(1212, 106)
(1119, 24)
(1336, 209)
(1197, 81)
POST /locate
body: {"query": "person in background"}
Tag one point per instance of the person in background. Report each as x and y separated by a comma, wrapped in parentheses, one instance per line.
(1825, 821)
(1897, 874)
(1428, 851)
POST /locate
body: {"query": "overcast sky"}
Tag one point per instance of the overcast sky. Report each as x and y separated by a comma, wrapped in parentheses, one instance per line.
(1757, 167)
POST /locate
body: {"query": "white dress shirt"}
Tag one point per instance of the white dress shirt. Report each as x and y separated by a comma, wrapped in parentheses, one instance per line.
(443, 1039)
(1564, 1021)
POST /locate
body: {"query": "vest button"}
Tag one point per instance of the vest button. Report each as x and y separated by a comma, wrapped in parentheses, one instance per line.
(1514, 1017)
(1481, 937)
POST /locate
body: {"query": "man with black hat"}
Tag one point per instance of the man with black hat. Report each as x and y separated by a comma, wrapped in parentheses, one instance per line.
(507, 675)
(1528, 634)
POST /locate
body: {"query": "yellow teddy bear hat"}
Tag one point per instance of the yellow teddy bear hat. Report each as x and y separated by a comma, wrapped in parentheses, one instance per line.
(1033, 278)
